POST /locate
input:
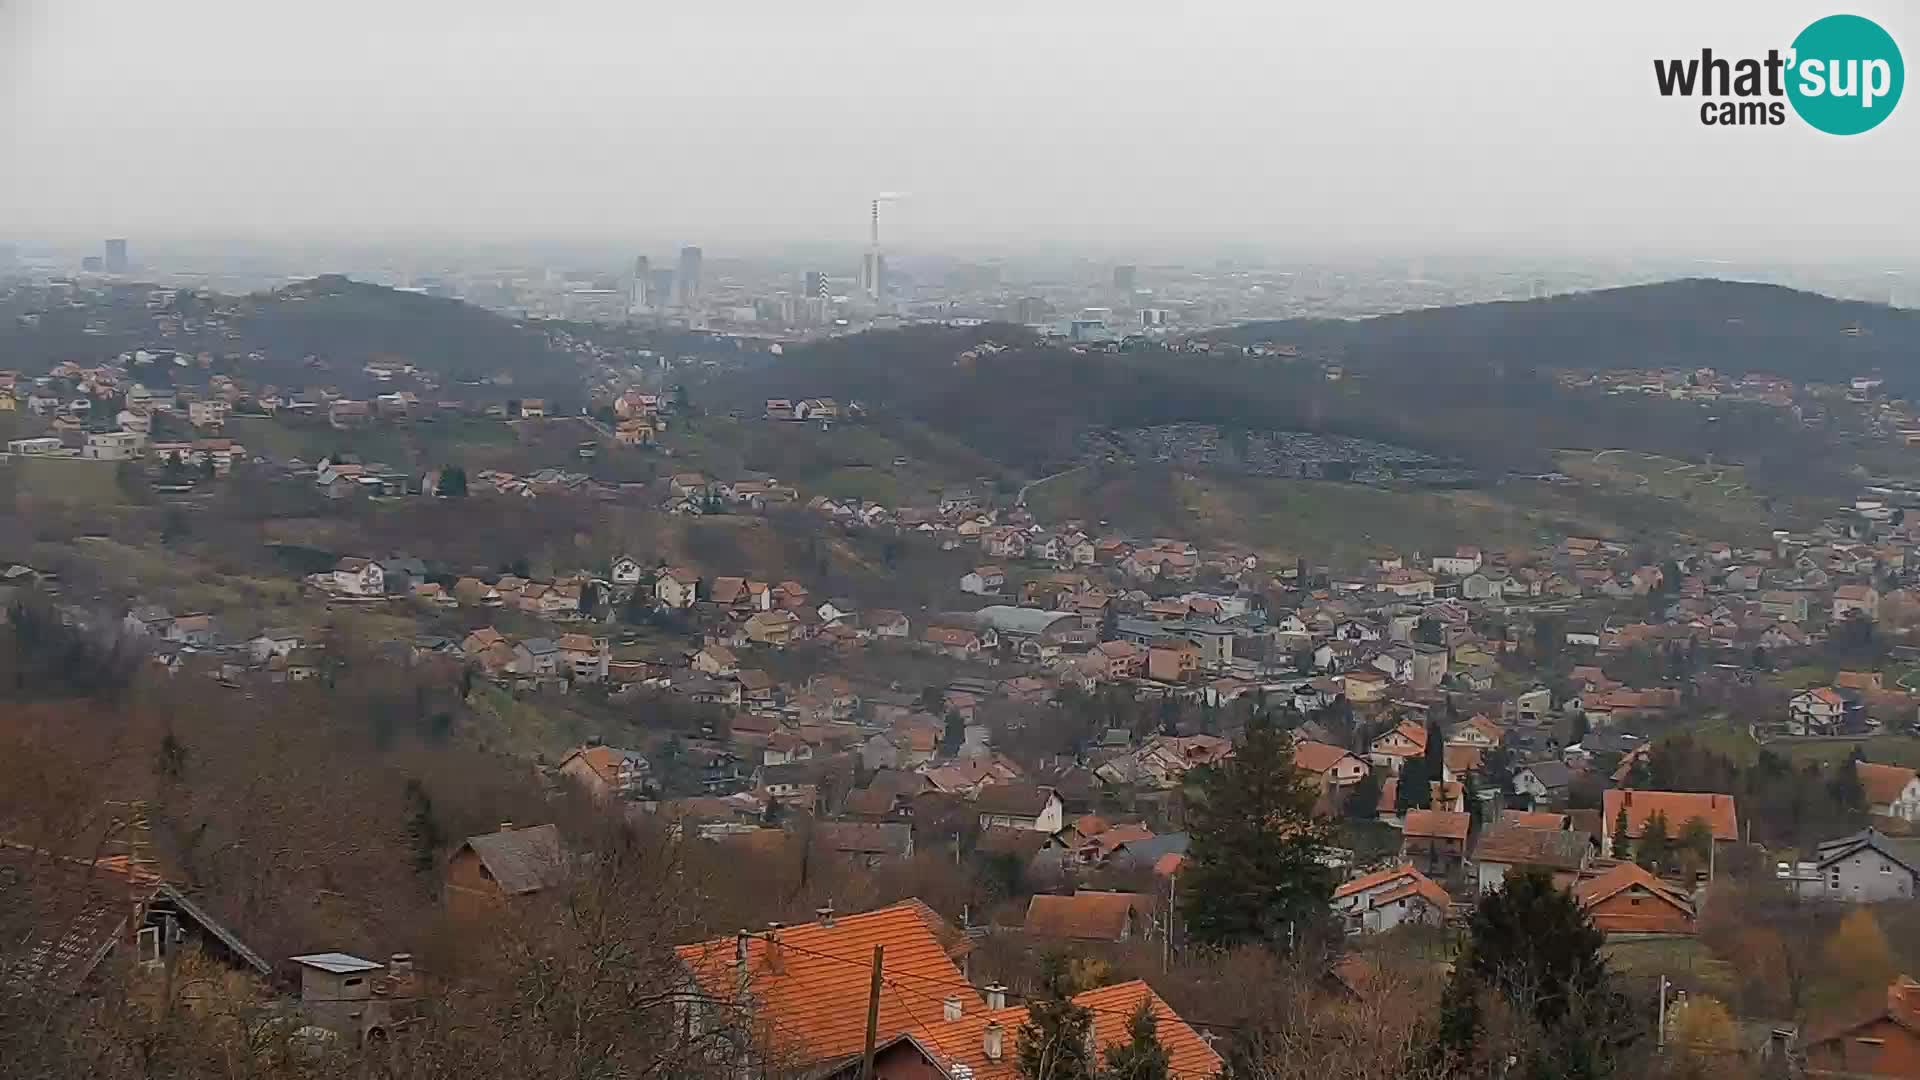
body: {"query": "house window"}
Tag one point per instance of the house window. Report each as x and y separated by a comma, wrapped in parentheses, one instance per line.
(353, 982)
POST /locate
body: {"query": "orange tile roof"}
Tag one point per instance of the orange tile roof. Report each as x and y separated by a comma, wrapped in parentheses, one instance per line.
(1190, 1058)
(1317, 757)
(1882, 783)
(1373, 880)
(1678, 807)
(811, 985)
(1446, 824)
(1527, 819)
(1087, 915)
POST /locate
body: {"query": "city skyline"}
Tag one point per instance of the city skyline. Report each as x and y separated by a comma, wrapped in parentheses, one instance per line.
(1495, 130)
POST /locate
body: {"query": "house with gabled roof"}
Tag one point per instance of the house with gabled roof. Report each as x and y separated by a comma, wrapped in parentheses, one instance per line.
(1878, 1036)
(501, 866)
(1628, 900)
(1677, 808)
(1891, 791)
(1379, 901)
(1090, 915)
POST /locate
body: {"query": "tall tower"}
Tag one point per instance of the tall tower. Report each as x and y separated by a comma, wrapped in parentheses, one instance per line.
(638, 299)
(687, 281)
(873, 269)
(116, 261)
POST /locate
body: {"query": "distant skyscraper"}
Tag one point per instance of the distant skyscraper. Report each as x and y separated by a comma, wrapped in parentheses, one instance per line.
(1031, 309)
(688, 279)
(1123, 278)
(91, 264)
(659, 288)
(642, 280)
(116, 256)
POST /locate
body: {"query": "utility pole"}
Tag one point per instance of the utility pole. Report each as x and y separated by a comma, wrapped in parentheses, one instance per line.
(1659, 1036)
(873, 1015)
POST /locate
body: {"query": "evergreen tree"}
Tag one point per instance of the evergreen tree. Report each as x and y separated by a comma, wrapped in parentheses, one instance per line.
(1053, 1042)
(954, 734)
(1622, 844)
(1530, 944)
(1141, 1057)
(1253, 872)
(1656, 843)
(1363, 798)
(453, 483)
(1110, 624)
(1436, 751)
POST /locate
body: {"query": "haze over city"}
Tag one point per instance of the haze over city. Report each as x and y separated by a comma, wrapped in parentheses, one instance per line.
(1020, 129)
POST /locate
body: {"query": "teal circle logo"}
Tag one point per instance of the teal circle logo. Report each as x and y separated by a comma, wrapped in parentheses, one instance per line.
(1846, 75)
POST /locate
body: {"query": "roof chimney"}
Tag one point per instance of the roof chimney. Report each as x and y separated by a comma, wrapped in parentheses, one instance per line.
(401, 964)
(950, 1009)
(990, 1041)
(826, 915)
(996, 997)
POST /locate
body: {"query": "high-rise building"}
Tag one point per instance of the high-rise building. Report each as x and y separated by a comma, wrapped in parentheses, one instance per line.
(688, 279)
(817, 287)
(642, 281)
(1031, 310)
(91, 264)
(1124, 276)
(116, 256)
(659, 288)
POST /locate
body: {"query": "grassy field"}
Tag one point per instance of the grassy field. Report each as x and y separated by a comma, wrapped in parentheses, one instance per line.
(1284, 519)
(1732, 741)
(899, 465)
(1647, 490)
(1684, 960)
(68, 479)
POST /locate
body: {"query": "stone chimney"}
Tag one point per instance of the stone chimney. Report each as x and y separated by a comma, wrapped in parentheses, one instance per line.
(950, 1009)
(401, 965)
(826, 915)
(996, 997)
(990, 1042)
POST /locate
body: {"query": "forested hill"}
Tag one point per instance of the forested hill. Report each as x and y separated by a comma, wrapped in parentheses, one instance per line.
(1469, 383)
(1696, 322)
(353, 323)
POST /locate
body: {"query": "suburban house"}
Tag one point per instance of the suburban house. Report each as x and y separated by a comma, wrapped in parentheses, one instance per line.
(1479, 732)
(1628, 900)
(717, 661)
(1676, 807)
(607, 773)
(675, 587)
(1435, 840)
(1393, 748)
(1543, 783)
(805, 986)
(984, 580)
(1817, 711)
(1865, 868)
(1882, 1039)
(1892, 791)
(966, 1042)
(1462, 562)
(953, 641)
(1861, 600)
(1384, 899)
(359, 577)
(1328, 765)
(584, 657)
(625, 571)
(866, 844)
(1090, 915)
(1503, 847)
(499, 866)
(1172, 660)
(1020, 806)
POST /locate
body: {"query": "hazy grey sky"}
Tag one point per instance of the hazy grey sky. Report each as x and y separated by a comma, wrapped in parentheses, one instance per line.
(1477, 125)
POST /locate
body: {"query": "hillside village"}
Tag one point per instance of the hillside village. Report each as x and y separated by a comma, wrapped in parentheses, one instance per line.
(1646, 718)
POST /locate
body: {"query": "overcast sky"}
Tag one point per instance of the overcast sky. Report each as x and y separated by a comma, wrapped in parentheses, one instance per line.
(1478, 126)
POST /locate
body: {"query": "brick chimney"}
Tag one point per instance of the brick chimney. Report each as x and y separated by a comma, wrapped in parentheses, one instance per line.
(950, 1008)
(996, 997)
(990, 1041)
